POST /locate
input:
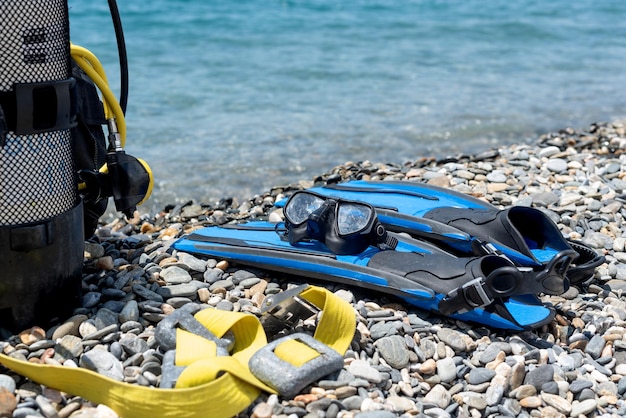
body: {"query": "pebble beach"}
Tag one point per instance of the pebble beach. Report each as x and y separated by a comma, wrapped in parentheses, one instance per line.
(403, 361)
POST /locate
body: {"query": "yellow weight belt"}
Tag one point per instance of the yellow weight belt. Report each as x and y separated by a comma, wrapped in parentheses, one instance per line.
(210, 386)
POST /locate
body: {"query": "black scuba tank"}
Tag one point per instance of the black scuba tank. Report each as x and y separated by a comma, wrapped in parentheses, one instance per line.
(41, 215)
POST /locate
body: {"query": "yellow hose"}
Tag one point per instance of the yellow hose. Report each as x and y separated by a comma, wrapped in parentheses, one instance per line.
(90, 64)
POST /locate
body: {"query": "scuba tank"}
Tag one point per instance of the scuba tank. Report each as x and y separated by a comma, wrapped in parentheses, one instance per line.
(41, 215)
(56, 171)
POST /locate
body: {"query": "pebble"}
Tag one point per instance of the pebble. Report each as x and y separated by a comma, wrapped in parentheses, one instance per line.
(439, 396)
(480, 375)
(540, 375)
(446, 369)
(394, 350)
(362, 369)
(452, 338)
(583, 407)
(104, 363)
(404, 360)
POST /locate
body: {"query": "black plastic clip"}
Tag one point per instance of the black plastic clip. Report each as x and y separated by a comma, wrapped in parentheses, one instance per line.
(465, 298)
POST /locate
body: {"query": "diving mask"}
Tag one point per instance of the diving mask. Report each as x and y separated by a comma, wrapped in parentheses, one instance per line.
(344, 226)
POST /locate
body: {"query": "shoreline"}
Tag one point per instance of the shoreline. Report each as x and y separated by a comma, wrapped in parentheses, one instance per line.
(577, 177)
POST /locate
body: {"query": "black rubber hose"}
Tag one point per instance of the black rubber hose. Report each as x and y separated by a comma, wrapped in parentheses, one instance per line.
(121, 48)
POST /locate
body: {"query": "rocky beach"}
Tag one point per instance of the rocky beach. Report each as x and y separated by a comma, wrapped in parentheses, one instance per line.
(403, 361)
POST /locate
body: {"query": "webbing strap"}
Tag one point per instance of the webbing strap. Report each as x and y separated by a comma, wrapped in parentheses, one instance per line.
(199, 392)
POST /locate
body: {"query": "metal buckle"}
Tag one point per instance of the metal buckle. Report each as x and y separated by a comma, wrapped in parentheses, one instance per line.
(284, 377)
(284, 310)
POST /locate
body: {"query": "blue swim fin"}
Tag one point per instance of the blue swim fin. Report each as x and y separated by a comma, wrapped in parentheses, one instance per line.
(476, 289)
(467, 226)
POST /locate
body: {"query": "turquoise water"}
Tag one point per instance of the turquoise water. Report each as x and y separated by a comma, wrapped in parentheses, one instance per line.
(230, 98)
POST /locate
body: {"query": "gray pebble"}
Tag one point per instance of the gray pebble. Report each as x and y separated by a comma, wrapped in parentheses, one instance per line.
(539, 376)
(394, 350)
(595, 346)
(103, 363)
(178, 290)
(452, 338)
(227, 284)
(492, 351)
(213, 275)
(192, 262)
(26, 413)
(130, 312)
(175, 275)
(621, 386)
(7, 382)
(556, 165)
(382, 329)
(69, 347)
(579, 384)
(361, 369)
(91, 299)
(586, 394)
(353, 402)
(496, 176)
(550, 387)
(438, 396)
(46, 408)
(146, 293)
(583, 408)
(446, 369)
(375, 414)
(480, 375)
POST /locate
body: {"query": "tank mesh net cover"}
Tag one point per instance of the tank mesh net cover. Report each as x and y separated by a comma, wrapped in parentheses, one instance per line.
(37, 178)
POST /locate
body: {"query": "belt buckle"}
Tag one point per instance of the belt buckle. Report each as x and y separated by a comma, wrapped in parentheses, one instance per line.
(284, 310)
(287, 379)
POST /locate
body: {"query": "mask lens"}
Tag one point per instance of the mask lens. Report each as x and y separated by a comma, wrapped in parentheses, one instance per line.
(300, 206)
(353, 218)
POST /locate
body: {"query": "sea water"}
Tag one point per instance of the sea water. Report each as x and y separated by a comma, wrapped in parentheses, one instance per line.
(230, 98)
